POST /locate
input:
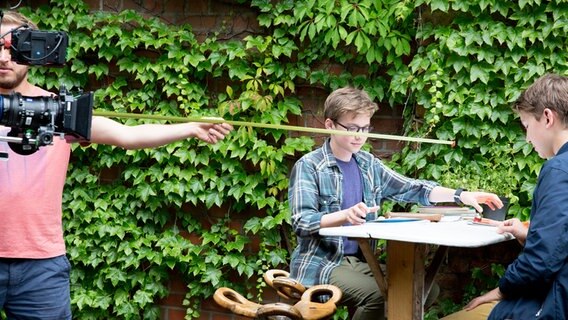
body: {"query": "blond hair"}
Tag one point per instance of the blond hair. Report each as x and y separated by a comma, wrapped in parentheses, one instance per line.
(17, 19)
(348, 100)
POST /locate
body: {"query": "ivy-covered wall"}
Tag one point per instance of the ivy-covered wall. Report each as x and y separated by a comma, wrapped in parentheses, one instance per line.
(216, 214)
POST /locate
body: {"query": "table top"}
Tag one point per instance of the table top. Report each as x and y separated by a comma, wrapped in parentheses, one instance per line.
(447, 233)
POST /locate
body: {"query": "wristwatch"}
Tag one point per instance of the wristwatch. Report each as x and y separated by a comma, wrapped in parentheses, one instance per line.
(457, 195)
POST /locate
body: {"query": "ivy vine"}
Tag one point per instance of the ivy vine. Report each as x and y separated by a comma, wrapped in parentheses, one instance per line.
(132, 216)
(476, 59)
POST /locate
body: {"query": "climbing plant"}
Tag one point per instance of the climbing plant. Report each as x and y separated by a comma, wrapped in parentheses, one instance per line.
(473, 60)
(131, 217)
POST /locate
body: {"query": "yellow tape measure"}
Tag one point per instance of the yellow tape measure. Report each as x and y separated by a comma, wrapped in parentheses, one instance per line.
(111, 114)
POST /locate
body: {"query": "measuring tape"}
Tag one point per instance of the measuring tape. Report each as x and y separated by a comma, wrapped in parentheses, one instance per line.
(111, 114)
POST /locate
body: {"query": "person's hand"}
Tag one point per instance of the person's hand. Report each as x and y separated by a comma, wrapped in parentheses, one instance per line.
(357, 213)
(476, 198)
(515, 227)
(212, 133)
(493, 295)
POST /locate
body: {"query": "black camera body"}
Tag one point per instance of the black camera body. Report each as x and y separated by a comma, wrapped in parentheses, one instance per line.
(34, 120)
(37, 47)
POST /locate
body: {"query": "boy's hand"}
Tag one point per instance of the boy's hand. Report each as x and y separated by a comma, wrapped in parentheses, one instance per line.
(493, 295)
(356, 214)
(515, 227)
(475, 198)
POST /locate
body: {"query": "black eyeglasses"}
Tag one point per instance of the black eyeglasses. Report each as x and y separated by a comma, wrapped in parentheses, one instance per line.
(356, 128)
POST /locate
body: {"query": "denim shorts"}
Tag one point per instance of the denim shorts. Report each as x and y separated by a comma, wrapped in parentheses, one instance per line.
(35, 288)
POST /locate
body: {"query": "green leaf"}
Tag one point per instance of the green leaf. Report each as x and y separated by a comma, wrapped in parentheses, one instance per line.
(479, 73)
(442, 5)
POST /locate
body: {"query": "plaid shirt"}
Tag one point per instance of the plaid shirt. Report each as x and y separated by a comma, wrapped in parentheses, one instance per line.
(315, 190)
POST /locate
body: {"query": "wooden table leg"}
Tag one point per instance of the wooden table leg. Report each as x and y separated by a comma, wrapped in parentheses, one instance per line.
(373, 263)
(433, 268)
(405, 268)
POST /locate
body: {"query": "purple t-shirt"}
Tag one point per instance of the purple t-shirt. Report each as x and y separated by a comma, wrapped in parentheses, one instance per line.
(352, 192)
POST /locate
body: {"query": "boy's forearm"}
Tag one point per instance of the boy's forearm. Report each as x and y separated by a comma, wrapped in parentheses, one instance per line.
(441, 194)
(334, 219)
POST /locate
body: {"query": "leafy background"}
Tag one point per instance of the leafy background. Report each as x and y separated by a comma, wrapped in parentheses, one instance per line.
(133, 216)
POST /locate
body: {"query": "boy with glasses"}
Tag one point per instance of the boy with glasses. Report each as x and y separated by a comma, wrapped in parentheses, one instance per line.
(338, 184)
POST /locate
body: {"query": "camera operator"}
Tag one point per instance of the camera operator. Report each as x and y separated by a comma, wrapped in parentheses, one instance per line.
(34, 270)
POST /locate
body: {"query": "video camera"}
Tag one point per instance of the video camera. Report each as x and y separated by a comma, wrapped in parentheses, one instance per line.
(34, 120)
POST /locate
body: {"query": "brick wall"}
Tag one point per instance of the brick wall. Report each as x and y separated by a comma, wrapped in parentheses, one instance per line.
(227, 17)
(233, 20)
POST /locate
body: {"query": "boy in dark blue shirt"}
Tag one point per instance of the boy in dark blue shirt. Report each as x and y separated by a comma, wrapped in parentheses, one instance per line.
(535, 285)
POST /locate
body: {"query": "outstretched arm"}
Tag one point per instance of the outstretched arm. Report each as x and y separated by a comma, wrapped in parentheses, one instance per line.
(107, 131)
(474, 199)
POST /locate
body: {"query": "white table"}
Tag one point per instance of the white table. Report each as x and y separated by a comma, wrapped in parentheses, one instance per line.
(408, 278)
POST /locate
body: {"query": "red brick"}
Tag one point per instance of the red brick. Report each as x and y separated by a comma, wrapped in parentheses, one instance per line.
(194, 238)
(202, 24)
(184, 7)
(109, 5)
(173, 300)
(254, 245)
(176, 314)
(109, 174)
(398, 111)
(236, 224)
(150, 6)
(218, 212)
(242, 25)
(229, 7)
(384, 111)
(360, 70)
(210, 305)
(92, 4)
(176, 283)
(197, 7)
(335, 69)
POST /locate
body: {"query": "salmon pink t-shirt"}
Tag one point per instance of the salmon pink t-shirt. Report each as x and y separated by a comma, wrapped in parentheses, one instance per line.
(31, 190)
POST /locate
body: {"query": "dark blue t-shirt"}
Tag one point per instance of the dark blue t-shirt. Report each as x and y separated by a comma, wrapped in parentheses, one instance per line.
(352, 192)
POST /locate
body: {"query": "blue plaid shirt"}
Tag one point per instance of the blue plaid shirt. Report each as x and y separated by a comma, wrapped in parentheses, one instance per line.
(315, 190)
